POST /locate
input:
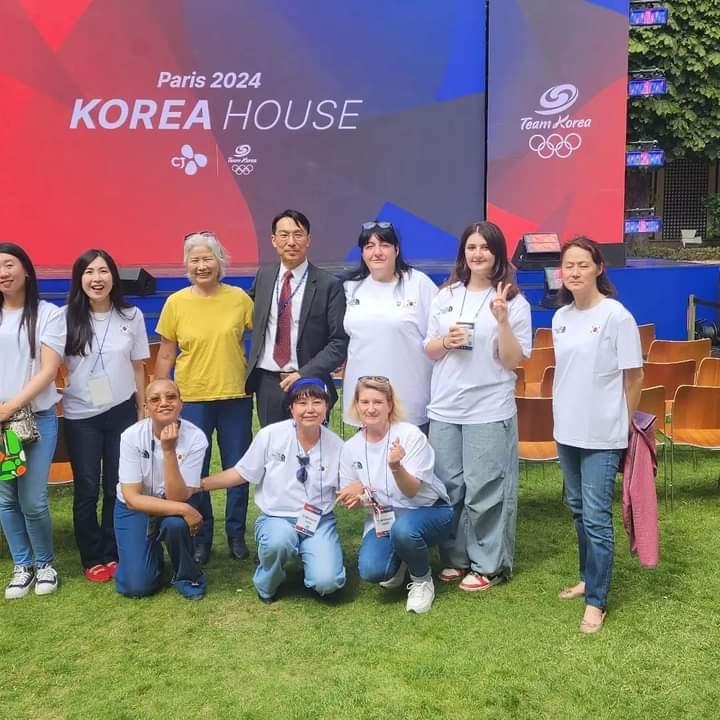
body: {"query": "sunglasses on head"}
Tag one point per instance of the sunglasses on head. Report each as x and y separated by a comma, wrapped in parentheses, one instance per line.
(374, 223)
(302, 472)
(202, 233)
(374, 378)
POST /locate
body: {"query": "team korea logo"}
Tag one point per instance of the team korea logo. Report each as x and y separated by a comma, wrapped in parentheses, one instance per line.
(560, 136)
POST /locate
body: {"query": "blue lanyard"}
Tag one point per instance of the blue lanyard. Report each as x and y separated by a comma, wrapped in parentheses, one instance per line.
(281, 309)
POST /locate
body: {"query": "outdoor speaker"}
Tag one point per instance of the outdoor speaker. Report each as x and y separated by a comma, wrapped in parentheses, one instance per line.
(136, 281)
(536, 251)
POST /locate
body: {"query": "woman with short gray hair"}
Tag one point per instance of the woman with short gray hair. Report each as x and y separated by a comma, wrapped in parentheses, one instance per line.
(206, 323)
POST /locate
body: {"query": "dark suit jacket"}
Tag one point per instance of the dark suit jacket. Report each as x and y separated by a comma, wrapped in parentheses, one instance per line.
(322, 342)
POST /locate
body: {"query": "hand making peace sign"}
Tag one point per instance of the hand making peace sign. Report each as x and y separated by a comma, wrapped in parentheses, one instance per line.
(498, 306)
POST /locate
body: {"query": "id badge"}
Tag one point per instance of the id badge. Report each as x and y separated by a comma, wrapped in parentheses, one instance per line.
(469, 329)
(100, 390)
(383, 519)
(308, 520)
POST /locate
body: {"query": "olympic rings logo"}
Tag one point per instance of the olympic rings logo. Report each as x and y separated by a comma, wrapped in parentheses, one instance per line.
(555, 145)
(243, 169)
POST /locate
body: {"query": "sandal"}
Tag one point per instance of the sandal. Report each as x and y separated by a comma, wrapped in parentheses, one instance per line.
(97, 573)
(590, 628)
(571, 593)
(112, 567)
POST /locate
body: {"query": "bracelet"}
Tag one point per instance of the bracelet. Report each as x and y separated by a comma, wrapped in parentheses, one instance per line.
(442, 341)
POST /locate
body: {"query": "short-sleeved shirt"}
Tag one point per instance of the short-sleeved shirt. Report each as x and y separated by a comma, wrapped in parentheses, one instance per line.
(367, 462)
(271, 464)
(386, 324)
(16, 367)
(209, 334)
(472, 386)
(142, 460)
(592, 348)
(119, 338)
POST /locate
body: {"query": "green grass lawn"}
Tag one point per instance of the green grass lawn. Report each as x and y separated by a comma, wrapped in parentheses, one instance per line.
(512, 652)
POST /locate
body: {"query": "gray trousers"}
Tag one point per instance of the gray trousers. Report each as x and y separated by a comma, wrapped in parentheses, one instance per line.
(479, 466)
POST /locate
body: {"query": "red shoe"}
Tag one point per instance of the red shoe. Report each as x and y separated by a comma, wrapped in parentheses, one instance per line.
(112, 567)
(97, 573)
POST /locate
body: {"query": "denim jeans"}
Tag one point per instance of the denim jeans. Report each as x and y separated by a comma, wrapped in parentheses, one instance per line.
(24, 509)
(94, 448)
(232, 421)
(589, 477)
(139, 571)
(478, 463)
(412, 535)
(278, 542)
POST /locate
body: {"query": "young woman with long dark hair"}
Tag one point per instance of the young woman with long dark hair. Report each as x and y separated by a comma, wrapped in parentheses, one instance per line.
(478, 333)
(106, 345)
(598, 379)
(32, 339)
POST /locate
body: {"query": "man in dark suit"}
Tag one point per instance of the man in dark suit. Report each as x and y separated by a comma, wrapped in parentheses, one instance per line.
(297, 321)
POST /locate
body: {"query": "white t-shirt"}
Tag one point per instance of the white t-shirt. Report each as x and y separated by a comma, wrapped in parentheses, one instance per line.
(592, 348)
(15, 368)
(141, 457)
(386, 324)
(472, 386)
(367, 462)
(298, 283)
(122, 338)
(271, 464)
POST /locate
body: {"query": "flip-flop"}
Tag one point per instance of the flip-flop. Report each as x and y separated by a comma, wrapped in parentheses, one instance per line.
(571, 593)
(97, 573)
(590, 628)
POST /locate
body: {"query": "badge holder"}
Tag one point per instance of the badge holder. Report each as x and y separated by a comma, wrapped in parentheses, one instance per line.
(383, 519)
(100, 390)
(308, 520)
(469, 329)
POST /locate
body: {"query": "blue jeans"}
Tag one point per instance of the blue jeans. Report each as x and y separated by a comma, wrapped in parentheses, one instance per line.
(139, 571)
(278, 542)
(24, 509)
(412, 535)
(589, 477)
(232, 421)
(94, 448)
(478, 463)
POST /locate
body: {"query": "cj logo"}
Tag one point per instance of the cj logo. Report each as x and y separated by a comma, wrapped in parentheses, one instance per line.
(189, 160)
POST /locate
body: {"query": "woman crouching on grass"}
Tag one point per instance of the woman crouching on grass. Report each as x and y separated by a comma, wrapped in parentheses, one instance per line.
(388, 468)
(294, 465)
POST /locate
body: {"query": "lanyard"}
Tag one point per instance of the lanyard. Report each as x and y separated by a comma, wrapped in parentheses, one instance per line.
(101, 345)
(367, 463)
(482, 304)
(281, 309)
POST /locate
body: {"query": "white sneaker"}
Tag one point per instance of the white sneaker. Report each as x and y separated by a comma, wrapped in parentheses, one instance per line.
(47, 580)
(397, 579)
(23, 579)
(420, 596)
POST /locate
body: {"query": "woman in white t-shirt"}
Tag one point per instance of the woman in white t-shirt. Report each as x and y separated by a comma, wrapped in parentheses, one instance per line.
(598, 379)
(388, 468)
(388, 303)
(479, 331)
(106, 345)
(32, 339)
(294, 466)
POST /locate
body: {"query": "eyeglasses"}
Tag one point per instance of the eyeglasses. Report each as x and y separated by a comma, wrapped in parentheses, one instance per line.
(169, 397)
(302, 471)
(375, 223)
(374, 378)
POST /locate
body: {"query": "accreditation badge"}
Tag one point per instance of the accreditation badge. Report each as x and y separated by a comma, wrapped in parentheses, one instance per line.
(308, 519)
(100, 390)
(383, 519)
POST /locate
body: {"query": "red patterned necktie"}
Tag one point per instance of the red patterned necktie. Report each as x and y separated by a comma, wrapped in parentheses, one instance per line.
(281, 353)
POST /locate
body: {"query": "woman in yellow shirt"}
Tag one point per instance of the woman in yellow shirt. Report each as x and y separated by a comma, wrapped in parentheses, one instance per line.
(205, 323)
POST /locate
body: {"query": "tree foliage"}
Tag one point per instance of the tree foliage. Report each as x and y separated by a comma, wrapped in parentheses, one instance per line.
(686, 121)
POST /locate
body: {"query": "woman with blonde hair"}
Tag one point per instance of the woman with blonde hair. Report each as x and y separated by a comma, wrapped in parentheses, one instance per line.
(388, 468)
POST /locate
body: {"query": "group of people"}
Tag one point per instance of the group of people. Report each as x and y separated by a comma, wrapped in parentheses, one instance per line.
(428, 379)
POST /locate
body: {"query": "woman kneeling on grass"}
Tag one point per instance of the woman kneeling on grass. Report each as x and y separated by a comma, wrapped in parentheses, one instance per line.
(294, 465)
(160, 463)
(388, 468)
(598, 379)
